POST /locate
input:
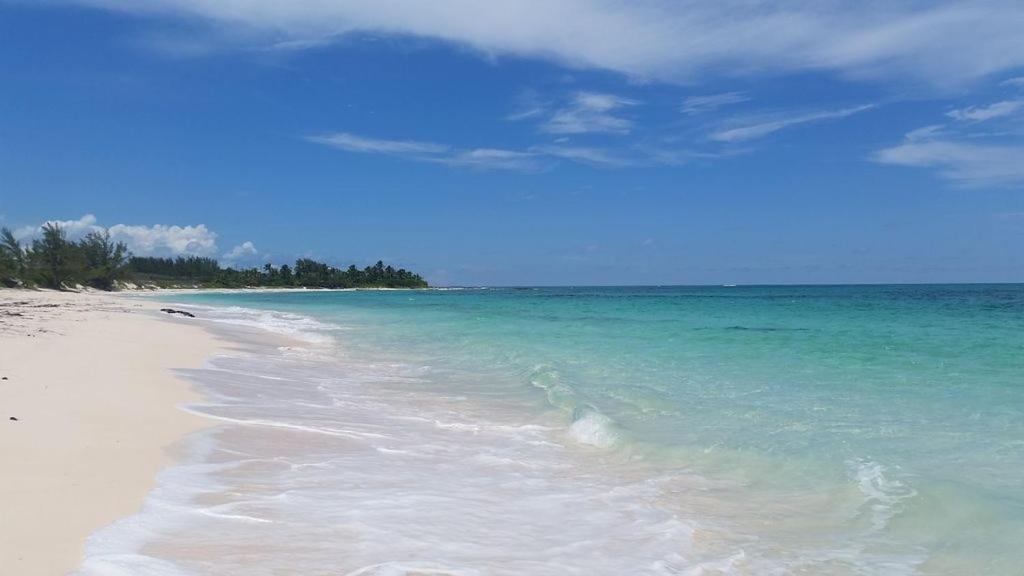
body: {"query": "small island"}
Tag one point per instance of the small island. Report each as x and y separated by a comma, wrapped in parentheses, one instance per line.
(54, 261)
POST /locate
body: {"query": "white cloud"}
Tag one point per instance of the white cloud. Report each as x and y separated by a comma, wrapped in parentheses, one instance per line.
(751, 129)
(532, 159)
(590, 112)
(711, 102)
(529, 105)
(353, 143)
(925, 133)
(162, 240)
(1018, 81)
(243, 252)
(494, 159)
(982, 113)
(961, 153)
(483, 158)
(75, 229)
(672, 156)
(966, 163)
(939, 43)
(156, 240)
(585, 155)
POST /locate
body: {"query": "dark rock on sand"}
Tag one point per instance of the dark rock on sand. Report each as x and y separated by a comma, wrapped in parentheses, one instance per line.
(182, 312)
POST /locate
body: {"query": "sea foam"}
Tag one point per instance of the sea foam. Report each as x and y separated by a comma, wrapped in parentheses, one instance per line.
(352, 468)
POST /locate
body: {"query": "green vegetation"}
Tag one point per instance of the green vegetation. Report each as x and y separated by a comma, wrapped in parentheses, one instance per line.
(206, 272)
(54, 261)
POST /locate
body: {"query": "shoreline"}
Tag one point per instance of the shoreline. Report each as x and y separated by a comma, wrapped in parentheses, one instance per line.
(244, 289)
(301, 460)
(91, 415)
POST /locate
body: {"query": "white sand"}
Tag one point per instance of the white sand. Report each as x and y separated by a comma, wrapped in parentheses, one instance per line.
(88, 379)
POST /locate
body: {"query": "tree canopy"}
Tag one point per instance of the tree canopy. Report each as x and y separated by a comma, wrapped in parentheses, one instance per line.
(307, 273)
(54, 261)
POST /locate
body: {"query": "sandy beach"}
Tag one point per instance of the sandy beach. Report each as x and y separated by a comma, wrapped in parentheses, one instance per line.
(89, 416)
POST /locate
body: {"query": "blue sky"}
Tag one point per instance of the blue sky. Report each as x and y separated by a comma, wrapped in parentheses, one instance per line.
(573, 142)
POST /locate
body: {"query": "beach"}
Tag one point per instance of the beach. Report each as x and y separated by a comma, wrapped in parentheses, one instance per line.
(583, 288)
(90, 416)
(844, 430)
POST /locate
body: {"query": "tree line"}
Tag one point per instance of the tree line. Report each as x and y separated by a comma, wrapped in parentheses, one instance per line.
(307, 273)
(54, 261)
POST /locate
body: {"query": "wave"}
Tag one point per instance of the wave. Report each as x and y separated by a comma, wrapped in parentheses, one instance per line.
(593, 428)
(406, 568)
(285, 323)
(884, 496)
(560, 395)
(588, 425)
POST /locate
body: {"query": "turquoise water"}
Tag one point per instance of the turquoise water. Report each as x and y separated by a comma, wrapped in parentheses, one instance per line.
(821, 430)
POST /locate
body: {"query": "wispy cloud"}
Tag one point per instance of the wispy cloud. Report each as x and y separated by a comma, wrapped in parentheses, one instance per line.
(494, 159)
(534, 158)
(676, 156)
(711, 102)
(590, 112)
(965, 163)
(354, 143)
(751, 129)
(925, 132)
(982, 113)
(586, 155)
(481, 158)
(943, 43)
(961, 153)
(531, 159)
(528, 105)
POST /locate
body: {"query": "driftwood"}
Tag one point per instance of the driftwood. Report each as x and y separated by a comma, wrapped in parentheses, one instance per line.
(182, 312)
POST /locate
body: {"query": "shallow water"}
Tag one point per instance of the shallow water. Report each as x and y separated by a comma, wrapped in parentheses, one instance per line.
(728, 430)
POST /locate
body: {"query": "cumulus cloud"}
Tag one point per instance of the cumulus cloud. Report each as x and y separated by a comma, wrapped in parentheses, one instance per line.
(943, 43)
(74, 228)
(243, 252)
(750, 129)
(156, 240)
(163, 240)
(710, 102)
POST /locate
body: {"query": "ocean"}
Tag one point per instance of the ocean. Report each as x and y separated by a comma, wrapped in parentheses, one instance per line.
(834, 430)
